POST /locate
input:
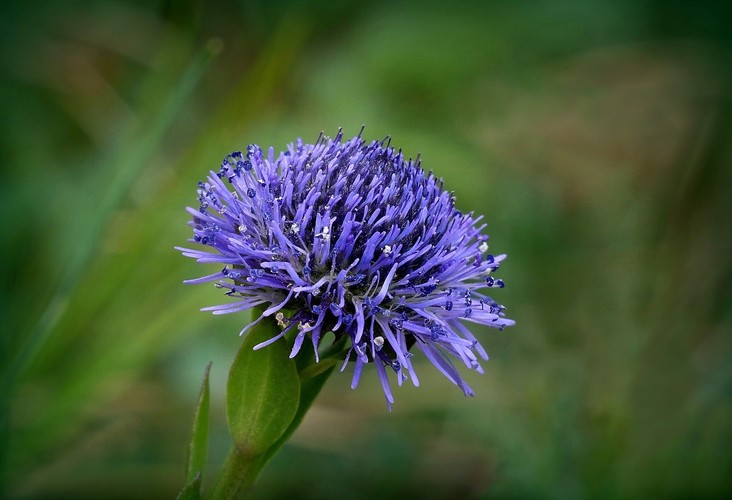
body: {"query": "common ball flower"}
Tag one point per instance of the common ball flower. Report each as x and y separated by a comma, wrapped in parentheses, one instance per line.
(350, 238)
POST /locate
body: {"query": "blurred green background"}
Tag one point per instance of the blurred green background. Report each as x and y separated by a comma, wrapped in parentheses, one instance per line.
(595, 136)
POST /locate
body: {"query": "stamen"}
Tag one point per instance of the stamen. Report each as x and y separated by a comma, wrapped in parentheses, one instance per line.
(378, 342)
(280, 317)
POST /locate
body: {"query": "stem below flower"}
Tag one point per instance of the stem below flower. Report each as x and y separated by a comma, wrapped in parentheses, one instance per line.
(238, 473)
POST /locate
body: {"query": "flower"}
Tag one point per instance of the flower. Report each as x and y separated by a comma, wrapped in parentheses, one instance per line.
(350, 237)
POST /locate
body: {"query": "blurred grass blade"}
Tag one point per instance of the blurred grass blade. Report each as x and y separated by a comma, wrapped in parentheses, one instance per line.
(198, 447)
(126, 168)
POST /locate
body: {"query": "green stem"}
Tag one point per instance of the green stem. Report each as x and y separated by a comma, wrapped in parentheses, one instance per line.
(238, 474)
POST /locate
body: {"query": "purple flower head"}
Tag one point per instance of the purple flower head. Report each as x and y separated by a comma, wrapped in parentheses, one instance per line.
(350, 238)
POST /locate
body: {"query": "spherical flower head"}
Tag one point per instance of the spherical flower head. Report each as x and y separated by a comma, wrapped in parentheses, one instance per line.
(350, 238)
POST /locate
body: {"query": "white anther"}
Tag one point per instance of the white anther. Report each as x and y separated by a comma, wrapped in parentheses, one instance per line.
(303, 326)
(325, 233)
(387, 250)
(483, 247)
(242, 229)
(378, 342)
(280, 320)
(295, 228)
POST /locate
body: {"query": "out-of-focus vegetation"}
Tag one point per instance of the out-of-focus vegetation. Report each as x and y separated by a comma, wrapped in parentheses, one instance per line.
(595, 137)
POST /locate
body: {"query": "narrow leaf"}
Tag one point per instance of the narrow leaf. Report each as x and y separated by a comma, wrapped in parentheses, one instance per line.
(313, 376)
(198, 448)
(262, 393)
(192, 490)
(316, 369)
(309, 389)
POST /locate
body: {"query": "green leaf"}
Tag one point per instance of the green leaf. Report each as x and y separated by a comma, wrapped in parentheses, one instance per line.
(268, 395)
(310, 387)
(198, 448)
(316, 369)
(313, 376)
(192, 490)
(262, 393)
